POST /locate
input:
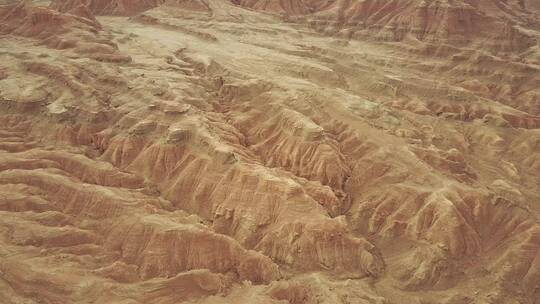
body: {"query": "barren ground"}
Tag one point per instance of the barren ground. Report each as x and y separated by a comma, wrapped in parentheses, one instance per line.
(218, 154)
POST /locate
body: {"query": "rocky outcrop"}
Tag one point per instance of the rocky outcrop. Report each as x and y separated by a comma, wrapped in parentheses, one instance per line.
(449, 21)
(29, 21)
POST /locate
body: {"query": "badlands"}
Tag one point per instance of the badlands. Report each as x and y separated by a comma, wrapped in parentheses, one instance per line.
(270, 151)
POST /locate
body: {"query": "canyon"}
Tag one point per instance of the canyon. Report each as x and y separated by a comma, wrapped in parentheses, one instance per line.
(265, 151)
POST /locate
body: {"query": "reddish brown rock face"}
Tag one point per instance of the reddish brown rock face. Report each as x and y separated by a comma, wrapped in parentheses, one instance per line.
(456, 22)
(215, 151)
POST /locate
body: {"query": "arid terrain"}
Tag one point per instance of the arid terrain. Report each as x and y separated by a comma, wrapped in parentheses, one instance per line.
(270, 151)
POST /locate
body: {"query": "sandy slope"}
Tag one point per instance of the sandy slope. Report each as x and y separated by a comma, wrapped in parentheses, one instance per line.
(203, 152)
